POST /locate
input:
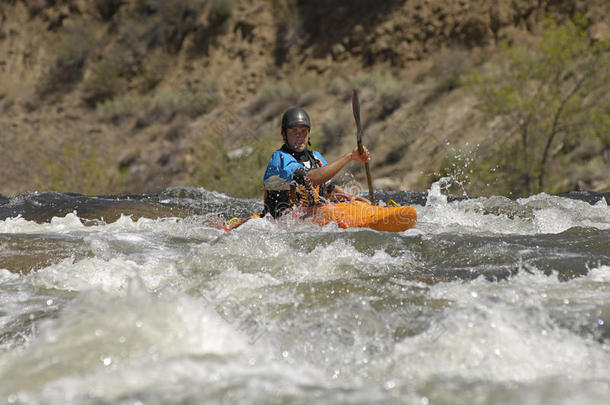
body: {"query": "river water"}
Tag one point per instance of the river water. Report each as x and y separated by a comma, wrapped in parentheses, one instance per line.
(485, 301)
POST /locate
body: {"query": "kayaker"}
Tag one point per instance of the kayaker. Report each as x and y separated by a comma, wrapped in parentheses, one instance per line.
(297, 176)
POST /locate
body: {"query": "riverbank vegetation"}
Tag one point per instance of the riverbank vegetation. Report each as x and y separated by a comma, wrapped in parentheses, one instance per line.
(551, 102)
(105, 96)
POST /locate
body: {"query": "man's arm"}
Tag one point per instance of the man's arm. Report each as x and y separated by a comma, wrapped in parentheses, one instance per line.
(325, 173)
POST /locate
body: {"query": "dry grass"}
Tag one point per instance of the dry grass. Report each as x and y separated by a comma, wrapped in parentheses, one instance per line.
(160, 108)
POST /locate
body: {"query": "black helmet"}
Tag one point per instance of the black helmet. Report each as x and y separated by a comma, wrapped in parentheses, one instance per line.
(293, 117)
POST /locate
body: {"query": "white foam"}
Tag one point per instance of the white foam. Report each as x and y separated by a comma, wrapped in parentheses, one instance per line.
(7, 275)
(133, 327)
(556, 214)
(66, 224)
(111, 275)
(503, 330)
(468, 217)
(549, 214)
(599, 274)
(100, 333)
(477, 342)
(71, 223)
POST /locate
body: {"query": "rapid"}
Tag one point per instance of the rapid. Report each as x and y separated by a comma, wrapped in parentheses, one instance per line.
(486, 301)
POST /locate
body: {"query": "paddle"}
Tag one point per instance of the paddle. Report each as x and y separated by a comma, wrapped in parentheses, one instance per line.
(356, 108)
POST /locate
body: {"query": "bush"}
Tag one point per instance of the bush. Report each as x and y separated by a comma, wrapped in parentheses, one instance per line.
(107, 8)
(242, 174)
(288, 91)
(71, 47)
(81, 166)
(104, 80)
(155, 67)
(601, 130)
(190, 103)
(219, 11)
(446, 72)
(547, 98)
(161, 108)
(123, 107)
(167, 22)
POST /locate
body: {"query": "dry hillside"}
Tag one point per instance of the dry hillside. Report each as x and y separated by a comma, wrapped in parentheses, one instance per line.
(105, 96)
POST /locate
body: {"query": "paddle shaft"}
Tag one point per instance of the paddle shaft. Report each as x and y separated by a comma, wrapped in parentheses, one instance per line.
(368, 176)
(356, 109)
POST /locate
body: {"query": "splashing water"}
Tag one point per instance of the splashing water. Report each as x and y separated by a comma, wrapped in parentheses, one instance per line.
(487, 300)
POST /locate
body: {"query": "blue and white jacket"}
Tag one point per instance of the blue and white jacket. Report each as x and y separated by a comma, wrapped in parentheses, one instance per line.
(286, 184)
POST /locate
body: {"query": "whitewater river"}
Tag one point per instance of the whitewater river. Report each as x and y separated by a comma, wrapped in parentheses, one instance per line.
(486, 301)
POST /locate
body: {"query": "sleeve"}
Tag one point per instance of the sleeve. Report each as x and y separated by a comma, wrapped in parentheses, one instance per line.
(319, 156)
(281, 170)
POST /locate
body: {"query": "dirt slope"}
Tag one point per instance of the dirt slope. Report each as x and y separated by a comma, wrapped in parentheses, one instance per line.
(101, 96)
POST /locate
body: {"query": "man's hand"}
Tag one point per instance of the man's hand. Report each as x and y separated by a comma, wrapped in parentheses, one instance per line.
(362, 158)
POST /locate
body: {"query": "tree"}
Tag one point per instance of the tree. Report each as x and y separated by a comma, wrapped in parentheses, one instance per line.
(547, 98)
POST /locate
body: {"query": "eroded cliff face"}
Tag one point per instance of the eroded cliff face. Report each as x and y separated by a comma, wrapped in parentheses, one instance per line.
(142, 87)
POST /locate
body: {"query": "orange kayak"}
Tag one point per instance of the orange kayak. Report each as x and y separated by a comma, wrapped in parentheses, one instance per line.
(351, 214)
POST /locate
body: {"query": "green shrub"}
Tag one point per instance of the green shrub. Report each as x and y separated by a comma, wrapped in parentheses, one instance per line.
(547, 98)
(107, 8)
(189, 103)
(80, 166)
(219, 11)
(71, 49)
(239, 176)
(104, 80)
(166, 23)
(160, 108)
(123, 107)
(289, 32)
(447, 71)
(154, 69)
(601, 128)
(289, 91)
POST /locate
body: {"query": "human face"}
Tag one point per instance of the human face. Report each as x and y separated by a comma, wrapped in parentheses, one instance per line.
(297, 138)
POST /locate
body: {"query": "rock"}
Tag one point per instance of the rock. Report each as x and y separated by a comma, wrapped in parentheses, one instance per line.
(127, 159)
(238, 153)
(498, 205)
(380, 45)
(475, 31)
(338, 50)
(358, 35)
(599, 31)
(318, 65)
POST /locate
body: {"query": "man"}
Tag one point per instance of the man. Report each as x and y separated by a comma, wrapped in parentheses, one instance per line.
(297, 176)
